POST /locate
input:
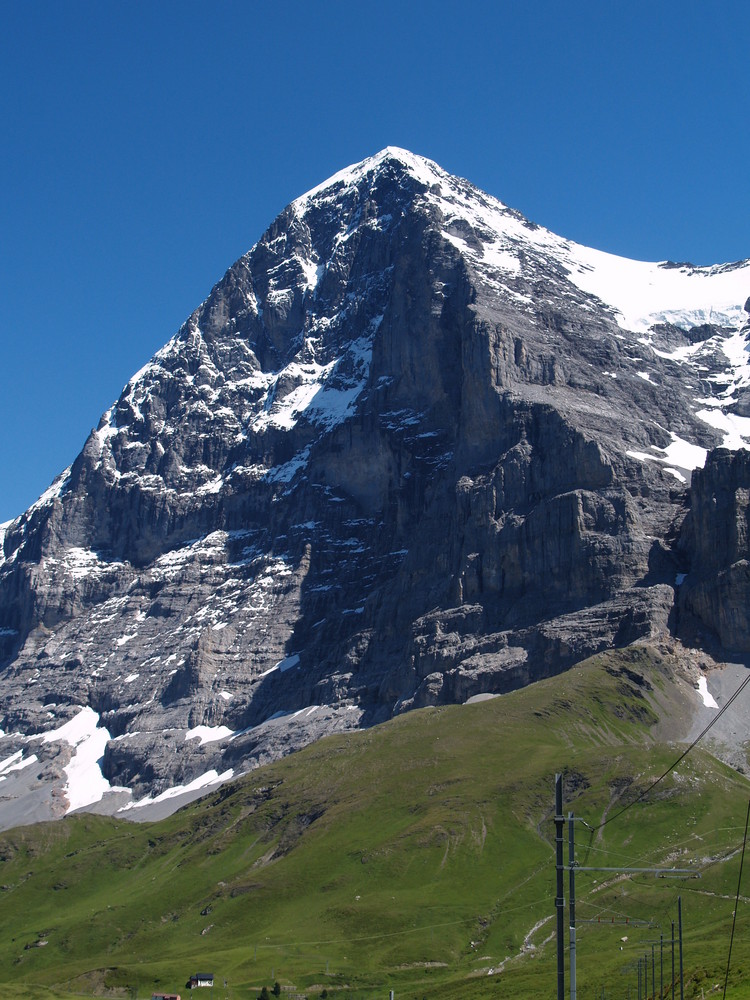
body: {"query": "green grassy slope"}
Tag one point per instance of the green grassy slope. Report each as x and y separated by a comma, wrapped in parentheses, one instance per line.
(417, 857)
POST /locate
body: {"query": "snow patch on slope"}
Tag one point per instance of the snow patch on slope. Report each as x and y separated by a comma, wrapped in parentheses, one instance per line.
(680, 457)
(324, 393)
(205, 781)
(708, 699)
(209, 734)
(16, 762)
(86, 784)
(644, 294)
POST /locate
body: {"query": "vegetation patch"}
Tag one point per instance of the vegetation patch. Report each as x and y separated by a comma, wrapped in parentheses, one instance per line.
(417, 856)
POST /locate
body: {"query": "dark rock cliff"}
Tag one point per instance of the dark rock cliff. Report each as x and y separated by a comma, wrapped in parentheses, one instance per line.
(717, 591)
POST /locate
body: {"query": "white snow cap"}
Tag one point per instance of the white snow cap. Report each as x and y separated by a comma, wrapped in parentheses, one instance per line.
(423, 169)
(639, 293)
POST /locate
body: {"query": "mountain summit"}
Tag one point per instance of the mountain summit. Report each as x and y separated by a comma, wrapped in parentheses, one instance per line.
(412, 449)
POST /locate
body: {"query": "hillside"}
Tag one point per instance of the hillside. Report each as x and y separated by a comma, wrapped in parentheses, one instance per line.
(415, 856)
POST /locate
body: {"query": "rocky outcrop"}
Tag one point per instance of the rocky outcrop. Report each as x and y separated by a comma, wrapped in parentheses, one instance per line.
(717, 590)
(404, 454)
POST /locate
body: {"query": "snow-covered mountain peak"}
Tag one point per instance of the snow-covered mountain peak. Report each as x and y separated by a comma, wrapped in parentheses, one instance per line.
(426, 171)
(498, 241)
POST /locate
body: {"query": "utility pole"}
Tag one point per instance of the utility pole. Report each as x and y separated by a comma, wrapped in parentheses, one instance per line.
(639, 980)
(673, 960)
(572, 867)
(661, 967)
(679, 921)
(572, 904)
(559, 898)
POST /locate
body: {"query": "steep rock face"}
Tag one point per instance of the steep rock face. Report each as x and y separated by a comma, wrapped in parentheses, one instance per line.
(717, 591)
(411, 449)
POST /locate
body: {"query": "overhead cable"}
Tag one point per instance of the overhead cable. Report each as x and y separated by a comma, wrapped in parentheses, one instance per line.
(682, 756)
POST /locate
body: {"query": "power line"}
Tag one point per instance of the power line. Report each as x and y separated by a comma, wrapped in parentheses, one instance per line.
(737, 900)
(682, 756)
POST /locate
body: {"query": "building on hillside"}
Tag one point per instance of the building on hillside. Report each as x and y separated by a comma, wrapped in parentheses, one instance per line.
(201, 979)
(165, 996)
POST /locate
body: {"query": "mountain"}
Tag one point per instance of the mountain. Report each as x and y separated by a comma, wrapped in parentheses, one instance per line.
(413, 449)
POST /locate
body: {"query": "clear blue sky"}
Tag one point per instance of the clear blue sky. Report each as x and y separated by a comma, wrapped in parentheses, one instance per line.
(147, 145)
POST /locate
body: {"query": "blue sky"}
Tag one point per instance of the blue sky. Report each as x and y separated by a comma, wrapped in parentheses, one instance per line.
(146, 146)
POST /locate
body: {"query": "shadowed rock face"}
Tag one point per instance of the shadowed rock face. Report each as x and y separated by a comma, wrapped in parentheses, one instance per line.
(717, 591)
(401, 455)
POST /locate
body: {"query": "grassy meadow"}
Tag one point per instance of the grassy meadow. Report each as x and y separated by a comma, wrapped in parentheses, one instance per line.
(416, 857)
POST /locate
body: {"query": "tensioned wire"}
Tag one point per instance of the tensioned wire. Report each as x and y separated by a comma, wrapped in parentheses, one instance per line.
(682, 756)
(736, 901)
